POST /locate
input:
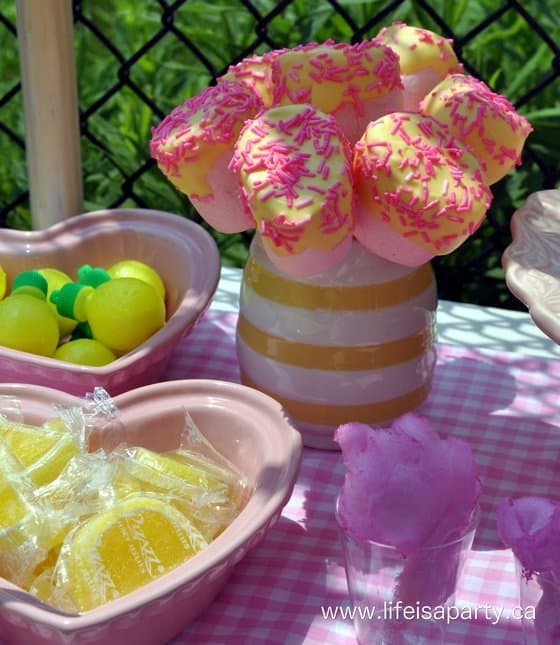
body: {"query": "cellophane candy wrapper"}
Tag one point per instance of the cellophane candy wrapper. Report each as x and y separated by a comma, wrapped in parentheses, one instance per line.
(70, 486)
(197, 478)
(22, 520)
(409, 488)
(530, 527)
(30, 457)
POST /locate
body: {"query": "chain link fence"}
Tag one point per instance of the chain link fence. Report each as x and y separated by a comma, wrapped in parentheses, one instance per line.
(136, 61)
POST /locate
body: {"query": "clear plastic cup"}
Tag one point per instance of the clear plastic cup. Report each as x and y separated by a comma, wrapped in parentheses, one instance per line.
(397, 600)
(539, 596)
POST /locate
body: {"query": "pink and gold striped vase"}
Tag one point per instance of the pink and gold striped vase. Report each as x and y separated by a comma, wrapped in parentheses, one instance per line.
(356, 343)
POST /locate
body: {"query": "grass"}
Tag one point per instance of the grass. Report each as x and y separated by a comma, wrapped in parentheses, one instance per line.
(126, 86)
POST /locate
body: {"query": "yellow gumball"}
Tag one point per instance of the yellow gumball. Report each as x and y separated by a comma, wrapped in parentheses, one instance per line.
(28, 324)
(85, 351)
(140, 270)
(55, 279)
(124, 312)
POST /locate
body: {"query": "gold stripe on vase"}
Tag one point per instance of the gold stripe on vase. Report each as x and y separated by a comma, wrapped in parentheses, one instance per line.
(308, 295)
(323, 414)
(334, 357)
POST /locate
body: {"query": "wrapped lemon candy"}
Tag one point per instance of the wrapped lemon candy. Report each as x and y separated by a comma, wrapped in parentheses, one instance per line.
(41, 586)
(125, 546)
(223, 472)
(43, 451)
(124, 483)
(205, 492)
(83, 488)
(24, 524)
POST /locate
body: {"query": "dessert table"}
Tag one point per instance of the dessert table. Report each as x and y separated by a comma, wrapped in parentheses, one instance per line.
(496, 384)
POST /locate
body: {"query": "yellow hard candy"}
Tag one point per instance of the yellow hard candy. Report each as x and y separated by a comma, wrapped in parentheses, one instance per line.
(124, 312)
(85, 351)
(55, 279)
(28, 324)
(140, 270)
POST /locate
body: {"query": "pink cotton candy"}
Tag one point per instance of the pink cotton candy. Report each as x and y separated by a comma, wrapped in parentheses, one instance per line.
(530, 526)
(404, 485)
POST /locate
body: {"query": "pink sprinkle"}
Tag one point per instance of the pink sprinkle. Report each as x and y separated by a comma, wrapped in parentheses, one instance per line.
(432, 204)
(303, 203)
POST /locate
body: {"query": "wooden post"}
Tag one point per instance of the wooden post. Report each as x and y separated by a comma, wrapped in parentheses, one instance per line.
(50, 103)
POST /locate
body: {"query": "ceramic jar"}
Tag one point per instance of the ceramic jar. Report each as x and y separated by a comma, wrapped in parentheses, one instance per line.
(355, 343)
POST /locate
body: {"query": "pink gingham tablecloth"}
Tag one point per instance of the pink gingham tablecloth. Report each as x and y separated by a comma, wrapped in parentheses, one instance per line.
(506, 405)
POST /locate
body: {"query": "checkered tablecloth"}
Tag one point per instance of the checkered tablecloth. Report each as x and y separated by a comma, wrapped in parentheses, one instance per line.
(506, 405)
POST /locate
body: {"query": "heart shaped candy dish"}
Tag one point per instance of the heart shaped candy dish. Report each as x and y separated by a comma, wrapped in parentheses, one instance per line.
(181, 253)
(248, 430)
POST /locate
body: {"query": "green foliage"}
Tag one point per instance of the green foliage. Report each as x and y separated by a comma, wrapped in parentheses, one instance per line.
(150, 59)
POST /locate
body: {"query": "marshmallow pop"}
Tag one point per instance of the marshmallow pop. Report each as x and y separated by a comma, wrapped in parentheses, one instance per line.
(255, 72)
(481, 119)
(193, 147)
(294, 165)
(354, 83)
(419, 193)
(425, 59)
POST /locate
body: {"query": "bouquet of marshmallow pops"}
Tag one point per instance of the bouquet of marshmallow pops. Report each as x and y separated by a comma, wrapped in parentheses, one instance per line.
(386, 141)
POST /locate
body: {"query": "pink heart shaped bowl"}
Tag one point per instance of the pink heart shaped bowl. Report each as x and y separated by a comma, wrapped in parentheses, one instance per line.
(247, 427)
(182, 252)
